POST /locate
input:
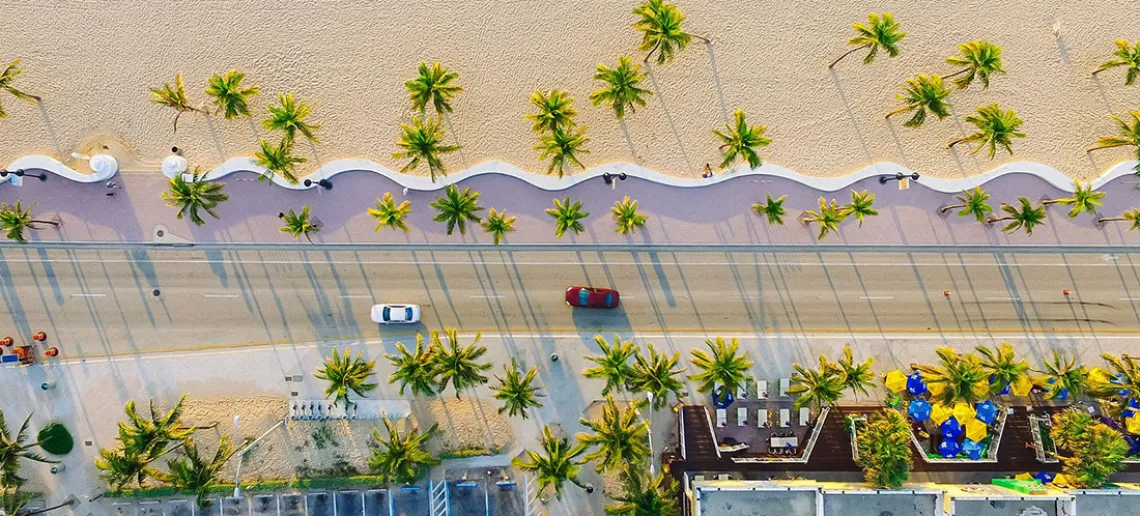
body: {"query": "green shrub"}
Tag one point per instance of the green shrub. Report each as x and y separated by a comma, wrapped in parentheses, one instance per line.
(473, 451)
(55, 439)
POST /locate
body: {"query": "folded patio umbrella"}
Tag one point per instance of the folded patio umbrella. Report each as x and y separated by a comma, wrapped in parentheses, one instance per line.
(914, 384)
(939, 413)
(936, 389)
(895, 381)
(919, 410)
(976, 430)
(986, 412)
(1133, 424)
(949, 448)
(963, 411)
(951, 430)
(1022, 386)
(973, 449)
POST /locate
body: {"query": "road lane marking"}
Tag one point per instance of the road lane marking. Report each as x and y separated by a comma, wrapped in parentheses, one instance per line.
(876, 297)
(89, 295)
(647, 261)
(219, 295)
(488, 296)
(356, 296)
(1005, 298)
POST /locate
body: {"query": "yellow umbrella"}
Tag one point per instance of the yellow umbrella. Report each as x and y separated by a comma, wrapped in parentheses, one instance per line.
(1023, 476)
(1060, 480)
(1099, 375)
(936, 389)
(975, 430)
(895, 381)
(1021, 387)
(981, 388)
(1133, 424)
(939, 413)
(963, 412)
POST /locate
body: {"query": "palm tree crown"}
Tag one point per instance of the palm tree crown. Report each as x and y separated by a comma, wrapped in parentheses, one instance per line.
(457, 364)
(622, 88)
(1125, 56)
(656, 374)
(1129, 137)
(400, 458)
(644, 496)
(345, 374)
(979, 60)
(772, 209)
(193, 196)
(861, 206)
(298, 224)
(389, 214)
(739, 140)
(10, 73)
(423, 141)
(230, 97)
(855, 376)
(961, 375)
(995, 128)
(884, 449)
(172, 96)
(14, 448)
(620, 436)
(720, 367)
(415, 369)
(196, 473)
(150, 437)
(1083, 199)
(567, 216)
(1062, 373)
(973, 203)
(1001, 366)
(498, 224)
(816, 388)
(626, 215)
(660, 25)
(457, 208)
(555, 110)
(923, 93)
(289, 116)
(562, 147)
(828, 217)
(14, 219)
(613, 364)
(1026, 217)
(880, 32)
(517, 390)
(279, 159)
(433, 85)
(559, 464)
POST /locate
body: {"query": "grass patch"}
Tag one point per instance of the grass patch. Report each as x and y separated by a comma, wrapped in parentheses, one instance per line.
(329, 483)
(473, 451)
(55, 439)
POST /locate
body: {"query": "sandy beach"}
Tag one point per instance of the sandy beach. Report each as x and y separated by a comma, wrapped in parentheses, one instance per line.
(93, 61)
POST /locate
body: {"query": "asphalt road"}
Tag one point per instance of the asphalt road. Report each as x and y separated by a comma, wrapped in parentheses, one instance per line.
(96, 302)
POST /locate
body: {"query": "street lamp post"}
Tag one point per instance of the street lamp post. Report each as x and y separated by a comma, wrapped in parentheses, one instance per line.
(323, 183)
(899, 176)
(649, 434)
(21, 173)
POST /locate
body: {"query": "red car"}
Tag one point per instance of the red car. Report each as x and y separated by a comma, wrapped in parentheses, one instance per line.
(590, 297)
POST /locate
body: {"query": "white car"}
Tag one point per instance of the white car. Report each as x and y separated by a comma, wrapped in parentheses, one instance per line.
(396, 314)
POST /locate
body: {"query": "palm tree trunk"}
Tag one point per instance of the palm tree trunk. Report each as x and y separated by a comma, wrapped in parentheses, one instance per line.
(1102, 220)
(176, 122)
(1046, 202)
(706, 41)
(66, 503)
(955, 74)
(899, 110)
(847, 53)
(998, 219)
(949, 207)
(51, 223)
(650, 54)
(956, 142)
(307, 237)
(1101, 147)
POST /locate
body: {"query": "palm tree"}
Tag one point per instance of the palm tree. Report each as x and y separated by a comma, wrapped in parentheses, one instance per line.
(150, 438)
(856, 377)
(559, 465)
(229, 95)
(198, 474)
(884, 449)
(973, 203)
(1001, 367)
(1124, 56)
(567, 216)
(1101, 454)
(880, 32)
(816, 388)
(12, 449)
(121, 467)
(10, 73)
(171, 96)
(555, 110)
(655, 374)
(720, 367)
(828, 217)
(416, 370)
(979, 59)
(345, 374)
(400, 459)
(14, 219)
(621, 437)
(562, 148)
(613, 364)
(995, 127)
(423, 141)
(644, 496)
(1027, 217)
(626, 216)
(196, 194)
(622, 88)
(962, 376)
(457, 208)
(517, 391)
(278, 160)
(1129, 137)
(459, 365)
(1132, 215)
(1062, 373)
(389, 214)
(498, 224)
(1126, 378)
(660, 25)
(861, 206)
(741, 140)
(923, 93)
(433, 85)
(773, 209)
(298, 224)
(1083, 199)
(289, 116)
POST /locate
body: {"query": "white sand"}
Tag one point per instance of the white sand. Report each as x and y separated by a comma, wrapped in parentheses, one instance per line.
(93, 61)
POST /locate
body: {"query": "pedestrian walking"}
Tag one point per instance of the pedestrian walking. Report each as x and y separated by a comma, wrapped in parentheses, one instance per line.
(111, 187)
(708, 171)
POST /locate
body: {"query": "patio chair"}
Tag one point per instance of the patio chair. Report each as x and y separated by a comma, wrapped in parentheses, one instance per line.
(785, 384)
(785, 418)
(762, 390)
(761, 418)
(741, 416)
(721, 418)
(742, 390)
(805, 415)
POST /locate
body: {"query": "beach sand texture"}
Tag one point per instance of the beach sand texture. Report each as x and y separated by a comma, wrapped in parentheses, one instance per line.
(93, 61)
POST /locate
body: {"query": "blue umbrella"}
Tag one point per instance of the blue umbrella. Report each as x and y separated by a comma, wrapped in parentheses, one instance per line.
(986, 412)
(1062, 394)
(914, 384)
(948, 448)
(1133, 445)
(919, 410)
(722, 398)
(1044, 476)
(973, 449)
(951, 430)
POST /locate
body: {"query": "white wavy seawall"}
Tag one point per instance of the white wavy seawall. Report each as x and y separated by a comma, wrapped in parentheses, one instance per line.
(551, 183)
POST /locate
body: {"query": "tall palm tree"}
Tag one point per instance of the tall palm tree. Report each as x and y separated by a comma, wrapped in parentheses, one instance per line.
(855, 376)
(973, 203)
(196, 473)
(828, 217)
(740, 140)
(278, 160)
(1001, 366)
(174, 97)
(961, 375)
(10, 73)
(621, 437)
(1083, 199)
(230, 97)
(345, 374)
(979, 60)
(195, 195)
(1131, 215)
(1129, 137)
(1062, 373)
(884, 449)
(423, 142)
(122, 467)
(289, 117)
(567, 216)
(1126, 378)
(816, 388)
(14, 448)
(14, 219)
(415, 369)
(555, 110)
(613, 365)
(457, 208)
(721, 367)
(660, 25)
(656, 374)
(151, 437)
(772, 209)
(622, 87)
(557, 465)
(498, 224)
(400, 458)
(644, 496)
(517, 390)
(562, 147)
(626, 216)
(1026, 217)
(389, 214)
(459, 365)
(433, 85)
(995, 128)
(1125, 56)
(880, 32)
(298, 224)
(861, 206)
(923, 93)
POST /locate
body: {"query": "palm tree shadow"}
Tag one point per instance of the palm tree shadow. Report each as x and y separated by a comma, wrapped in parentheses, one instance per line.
(1062, 49)
(719, 86)
(668, 116)
(214, 136)
(850, 114)
(458, 142)
(629, 141)
(898, 143)
(316, 155)
(1103, 95)
(50, 127)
